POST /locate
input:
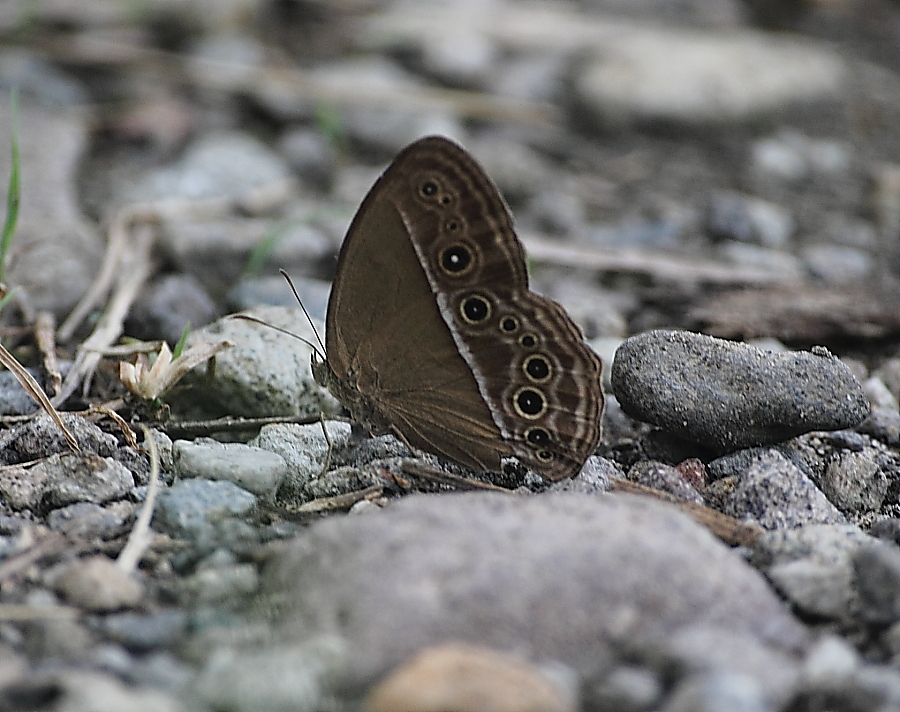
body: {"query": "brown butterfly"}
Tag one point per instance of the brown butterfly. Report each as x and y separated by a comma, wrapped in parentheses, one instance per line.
(433, 335)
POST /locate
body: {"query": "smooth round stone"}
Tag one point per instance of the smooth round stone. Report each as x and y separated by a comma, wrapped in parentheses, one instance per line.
(727, 395)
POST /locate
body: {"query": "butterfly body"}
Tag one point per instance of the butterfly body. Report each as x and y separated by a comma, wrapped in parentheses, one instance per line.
(433, 335)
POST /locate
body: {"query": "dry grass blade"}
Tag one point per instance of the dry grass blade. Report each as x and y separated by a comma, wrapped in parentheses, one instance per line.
(110, 325)
(126, 430)
(14, 612)
(33, 388)
(140, 536)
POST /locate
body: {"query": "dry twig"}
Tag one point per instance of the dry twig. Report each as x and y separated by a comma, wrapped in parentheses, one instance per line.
(44, 337)
(140, 537)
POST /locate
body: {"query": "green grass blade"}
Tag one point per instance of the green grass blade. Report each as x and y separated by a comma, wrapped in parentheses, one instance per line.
(14, 192)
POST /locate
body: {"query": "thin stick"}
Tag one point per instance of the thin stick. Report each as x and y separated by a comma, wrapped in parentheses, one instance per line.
(445, 478)
(341, 501)
(44, 337)
(728, 529)
(654, 263)
(140, 538)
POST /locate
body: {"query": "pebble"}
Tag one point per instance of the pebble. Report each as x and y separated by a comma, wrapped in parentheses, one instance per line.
(792, 156)
(812, 566)
(251, 468)
(218, 251)
(664, 477)
(838, 264)
(222, 585)
(781, 264)
(272, 291)
(456, 677)
(829, 663)
(726, 395)
(276, 677)
(877, 567)
(854, 482)
(143, 632)
(84, 519)
(83, 478)
(189, 505)
(227, 166)
(627, 689)
(21, 489)
(735, 216)
(81, 690)
(169, 305)
(14, 400)
(97, 584)
(776, 493)
(718, 692)
(310, 155)
(691, 79)
(303, 448)
(266, 373)
(595, 477)
(392, 582)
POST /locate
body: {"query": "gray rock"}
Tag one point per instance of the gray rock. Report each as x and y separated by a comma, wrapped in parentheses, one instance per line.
(813, 567)
(217, 251)
(303, 448)
(14, 400)
(220, 585)
(167, 306)
(727, 395)
(266, 373)
(782, 265)
(189, 505)
(854, 482)
(497, 570)
(274, 679)
(663, 477)
(41, 437)
(718, 692)
(792, 156)
(877, 567)
(594, 478)
(21, 489)
(652, 76)
(83, 478)
(627, 689)
(223, 166)
(142, 632)
(251, 468)
(84, 519)
(59, 250)
(81, 690)
(838, 264)
(272, 291)
(311, 156)
(735, 216)
(829, 664)
(775, 492)
(97, 584)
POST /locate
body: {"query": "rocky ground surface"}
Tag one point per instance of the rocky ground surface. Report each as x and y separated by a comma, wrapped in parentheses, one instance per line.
(726, 168)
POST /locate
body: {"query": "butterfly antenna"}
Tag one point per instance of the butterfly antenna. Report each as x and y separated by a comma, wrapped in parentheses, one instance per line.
(308, 317)
(255, 320)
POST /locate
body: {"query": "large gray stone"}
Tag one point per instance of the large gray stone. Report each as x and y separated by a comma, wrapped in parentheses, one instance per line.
(555, 577)
(727, 395)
